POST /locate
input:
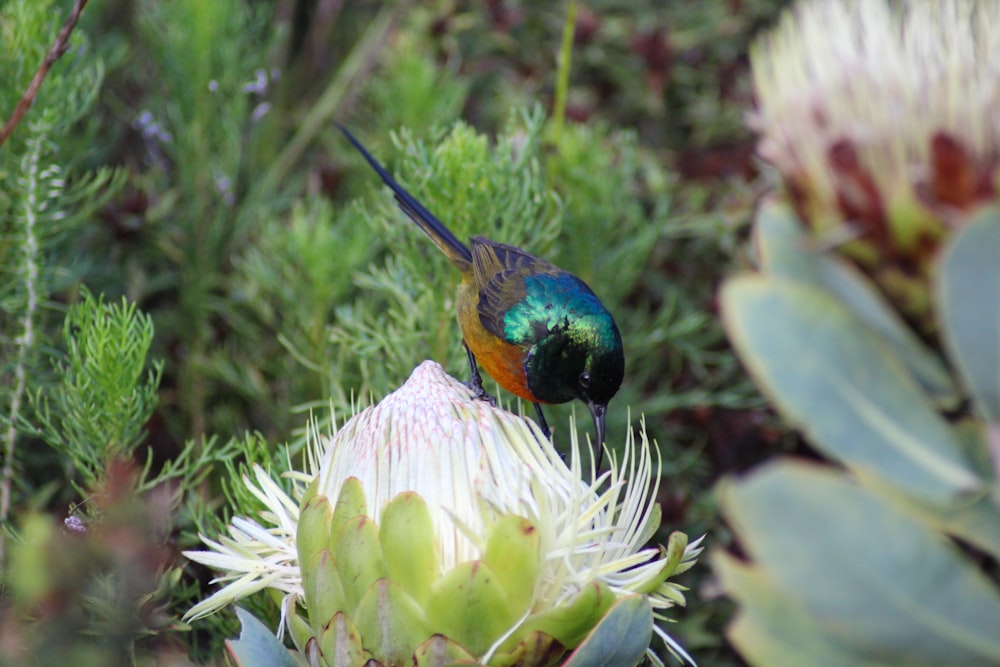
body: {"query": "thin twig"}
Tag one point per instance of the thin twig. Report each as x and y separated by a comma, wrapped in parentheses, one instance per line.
(59, 48)
(562, 77)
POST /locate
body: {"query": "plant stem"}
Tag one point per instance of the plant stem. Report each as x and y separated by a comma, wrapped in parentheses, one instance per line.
(26, 341)
(562, 78)
(58, 48)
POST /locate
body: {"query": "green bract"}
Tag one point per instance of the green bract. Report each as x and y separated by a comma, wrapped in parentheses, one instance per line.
(395, 596)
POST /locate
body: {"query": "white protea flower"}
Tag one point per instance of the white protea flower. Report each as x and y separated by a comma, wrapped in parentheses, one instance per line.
(457, 526)
(883, 119)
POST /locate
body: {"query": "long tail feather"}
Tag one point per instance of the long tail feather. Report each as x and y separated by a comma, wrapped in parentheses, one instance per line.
(457, 252)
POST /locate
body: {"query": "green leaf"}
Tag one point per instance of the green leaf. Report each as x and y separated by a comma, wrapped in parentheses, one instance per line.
(341, 643)
(392, 624)
(312, 533)
(968, 293)
(310, 492)
(299, 629)
(570, 623)
(877, 582)
(973, 519)
(350, 503)
(324, 591)
(409, 545)
(676, 545)
(104, 398)
(620, 639)
(440, 651)
(513, 554)
(535, 648)
(785, 252)
(357, 556)
(469, 605)
(771, 627)
(257, 646)
(842, 385)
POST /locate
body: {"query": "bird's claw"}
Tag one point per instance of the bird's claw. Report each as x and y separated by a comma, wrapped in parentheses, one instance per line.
(475, 385)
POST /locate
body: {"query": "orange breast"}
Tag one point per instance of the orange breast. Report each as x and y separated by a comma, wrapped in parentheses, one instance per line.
(504, 362)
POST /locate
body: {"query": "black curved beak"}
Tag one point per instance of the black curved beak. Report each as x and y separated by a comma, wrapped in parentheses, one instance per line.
(597, 411)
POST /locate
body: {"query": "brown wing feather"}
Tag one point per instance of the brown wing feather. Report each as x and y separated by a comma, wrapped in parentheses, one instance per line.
(499, 271)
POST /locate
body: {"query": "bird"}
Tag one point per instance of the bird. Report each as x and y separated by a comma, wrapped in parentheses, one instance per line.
(540, 332)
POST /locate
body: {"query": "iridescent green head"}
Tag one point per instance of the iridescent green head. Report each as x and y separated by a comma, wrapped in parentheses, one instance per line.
(583, 359)
(577, 352)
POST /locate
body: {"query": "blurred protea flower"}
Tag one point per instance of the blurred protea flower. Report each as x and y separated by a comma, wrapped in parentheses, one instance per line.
(434, 528)
(883, 119)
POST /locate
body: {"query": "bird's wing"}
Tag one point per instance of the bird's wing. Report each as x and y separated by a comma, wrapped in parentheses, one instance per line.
(500, 271)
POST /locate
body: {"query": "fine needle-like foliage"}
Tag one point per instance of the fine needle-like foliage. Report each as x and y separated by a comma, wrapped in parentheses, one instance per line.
(103, 394)
(44, 198)
(110, 567)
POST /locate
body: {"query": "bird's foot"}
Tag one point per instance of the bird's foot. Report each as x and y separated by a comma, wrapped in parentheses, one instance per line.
(475, 382)
(542, 424)
(475, 385)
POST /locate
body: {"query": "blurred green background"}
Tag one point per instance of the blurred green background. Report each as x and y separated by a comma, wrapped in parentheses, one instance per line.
(183, 155)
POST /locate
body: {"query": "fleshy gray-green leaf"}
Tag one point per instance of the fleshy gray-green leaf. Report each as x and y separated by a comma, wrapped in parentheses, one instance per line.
(784, 252)
(881, 585)
(771, 627)
(842, 385)
(968, 292)
(975, 519)
(257, 646)
(620, 639)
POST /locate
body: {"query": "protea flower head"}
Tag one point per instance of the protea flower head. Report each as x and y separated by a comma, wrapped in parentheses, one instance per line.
(435, 528)
(883, 119)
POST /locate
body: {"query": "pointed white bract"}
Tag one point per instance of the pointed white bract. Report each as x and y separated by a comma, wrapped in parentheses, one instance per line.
(885, 78)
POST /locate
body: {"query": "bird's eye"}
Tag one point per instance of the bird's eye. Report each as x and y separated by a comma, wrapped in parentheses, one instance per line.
(585, 379)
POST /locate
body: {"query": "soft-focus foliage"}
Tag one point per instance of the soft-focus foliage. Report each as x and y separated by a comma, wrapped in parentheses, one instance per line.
(97, 409)
(919, 478)
(880, 345)
(89, 591)
(45, 197)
